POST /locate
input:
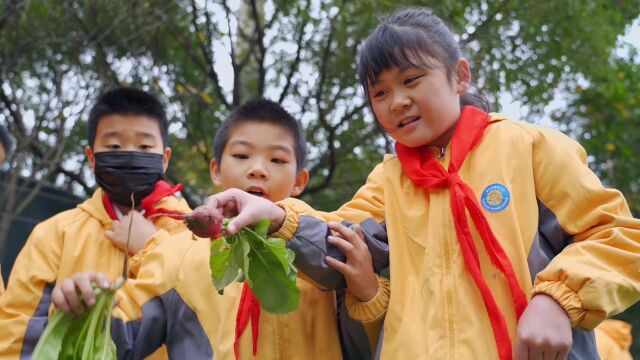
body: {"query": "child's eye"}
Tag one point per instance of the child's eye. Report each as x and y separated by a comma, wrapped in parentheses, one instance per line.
(278, 161)
(379, 93)
(113, 146)
(145, 147)
(411, 80)
(240, 156)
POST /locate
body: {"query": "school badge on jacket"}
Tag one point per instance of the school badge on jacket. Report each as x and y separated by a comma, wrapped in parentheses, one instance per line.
(495, 198)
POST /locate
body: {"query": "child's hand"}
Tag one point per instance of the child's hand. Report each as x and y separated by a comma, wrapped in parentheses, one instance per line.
(544, 331)
(248, 209)
(76, 294)
(358, 270)
(141, 230)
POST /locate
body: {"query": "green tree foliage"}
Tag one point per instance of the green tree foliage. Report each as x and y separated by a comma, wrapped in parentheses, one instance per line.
(605, 117)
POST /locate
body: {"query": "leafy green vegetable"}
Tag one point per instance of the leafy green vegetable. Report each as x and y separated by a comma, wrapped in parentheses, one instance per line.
(264, 263)
(86, 337)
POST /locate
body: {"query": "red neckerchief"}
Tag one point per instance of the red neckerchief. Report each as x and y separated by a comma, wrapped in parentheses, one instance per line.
(249, 308)
(160, 191)
(427, 173)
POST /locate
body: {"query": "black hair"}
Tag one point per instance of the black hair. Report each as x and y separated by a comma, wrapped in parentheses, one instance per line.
(412, 37)
(128, 101)
(5, 140)
(266, 111)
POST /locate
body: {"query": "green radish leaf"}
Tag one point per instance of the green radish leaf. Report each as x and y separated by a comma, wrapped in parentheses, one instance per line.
(262, 228)
(222, 264)
(242, 255)
(105, 349)
(240, 277)
(264, 263)
(233, 238)
(273, 277)
(272, 285)
(85, 337)
(53, 335)
(278, 247)
(291, 256)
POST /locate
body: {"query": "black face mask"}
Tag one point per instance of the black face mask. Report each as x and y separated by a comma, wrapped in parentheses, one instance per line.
(120, 173)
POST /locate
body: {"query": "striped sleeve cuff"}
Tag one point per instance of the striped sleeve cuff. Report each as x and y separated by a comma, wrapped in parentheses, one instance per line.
(291, 219)
(373, 309)
(570, 301)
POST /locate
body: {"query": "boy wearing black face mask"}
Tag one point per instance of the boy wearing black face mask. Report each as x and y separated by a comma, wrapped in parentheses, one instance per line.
(128, 152)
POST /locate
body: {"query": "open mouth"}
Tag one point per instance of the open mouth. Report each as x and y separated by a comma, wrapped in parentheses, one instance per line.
(408, 121)
(256, 190)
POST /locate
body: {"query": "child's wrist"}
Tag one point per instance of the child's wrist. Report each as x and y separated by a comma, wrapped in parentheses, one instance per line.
(277, 219)
(369, 291)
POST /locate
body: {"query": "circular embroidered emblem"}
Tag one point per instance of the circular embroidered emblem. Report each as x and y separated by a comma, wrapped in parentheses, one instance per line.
(495, 197)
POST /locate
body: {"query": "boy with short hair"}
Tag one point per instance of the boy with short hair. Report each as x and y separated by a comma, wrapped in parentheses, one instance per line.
(259, 149)
(128, 152)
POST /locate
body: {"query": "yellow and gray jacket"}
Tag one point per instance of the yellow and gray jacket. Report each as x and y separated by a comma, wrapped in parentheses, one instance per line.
(70, 242)
(173, 300)
(614, 339)
(566, 235)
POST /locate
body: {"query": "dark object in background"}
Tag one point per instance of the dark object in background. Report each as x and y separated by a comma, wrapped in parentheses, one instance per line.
(48, 202)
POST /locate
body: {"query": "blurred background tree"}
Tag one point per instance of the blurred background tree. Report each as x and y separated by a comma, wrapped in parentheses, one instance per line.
(204, 57)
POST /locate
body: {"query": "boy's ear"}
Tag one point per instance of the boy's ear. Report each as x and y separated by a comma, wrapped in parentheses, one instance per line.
(165, 158)
(463, 76)
(91, 159)
(214, 171)
(301, 182)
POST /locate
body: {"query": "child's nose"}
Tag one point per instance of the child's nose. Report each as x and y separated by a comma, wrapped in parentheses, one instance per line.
(257, 171)
(400, 101)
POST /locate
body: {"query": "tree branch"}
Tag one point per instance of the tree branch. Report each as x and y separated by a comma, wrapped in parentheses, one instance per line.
(296, 61)
(208, 56)
(237, 74)
(259, 31)
(75, 178)
(478, 30)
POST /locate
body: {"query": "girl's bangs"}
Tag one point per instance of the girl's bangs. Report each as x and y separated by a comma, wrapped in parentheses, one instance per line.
(395, 47)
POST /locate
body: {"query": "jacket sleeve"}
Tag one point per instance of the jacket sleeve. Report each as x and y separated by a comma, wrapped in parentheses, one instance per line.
(169, 225)
(136, 260)
(307, 231)
(613, 339)
(24, 307)
(361, 322)
(598, 275)
(151, 311)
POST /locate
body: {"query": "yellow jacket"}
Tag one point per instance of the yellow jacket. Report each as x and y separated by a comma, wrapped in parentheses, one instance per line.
(559, 226)
(70, 242)
(173, 300)
(613, 338)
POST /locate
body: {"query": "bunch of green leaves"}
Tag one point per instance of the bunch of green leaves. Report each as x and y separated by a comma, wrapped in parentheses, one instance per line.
(264, 263)
(86, 337)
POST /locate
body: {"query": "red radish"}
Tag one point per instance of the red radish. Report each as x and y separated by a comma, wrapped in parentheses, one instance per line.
(205, 222)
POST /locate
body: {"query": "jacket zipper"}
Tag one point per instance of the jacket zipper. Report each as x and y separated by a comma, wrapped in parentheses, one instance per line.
(447, 264)
(280, 338)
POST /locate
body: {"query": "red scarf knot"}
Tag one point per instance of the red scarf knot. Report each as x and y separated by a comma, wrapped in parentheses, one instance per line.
(161, 190)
